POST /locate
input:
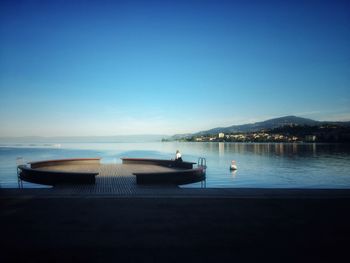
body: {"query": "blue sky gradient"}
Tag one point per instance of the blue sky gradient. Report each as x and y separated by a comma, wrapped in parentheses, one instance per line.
(164, 67)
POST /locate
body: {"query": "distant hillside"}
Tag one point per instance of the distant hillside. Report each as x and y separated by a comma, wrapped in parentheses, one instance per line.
(268, 124)
(263, 125)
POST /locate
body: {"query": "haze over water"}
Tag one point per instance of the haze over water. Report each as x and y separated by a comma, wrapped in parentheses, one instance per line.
(259, 165)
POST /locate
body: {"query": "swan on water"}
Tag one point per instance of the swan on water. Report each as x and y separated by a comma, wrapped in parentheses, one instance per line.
(233, 165)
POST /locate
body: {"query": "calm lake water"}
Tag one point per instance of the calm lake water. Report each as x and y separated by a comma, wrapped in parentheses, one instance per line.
(262, 165)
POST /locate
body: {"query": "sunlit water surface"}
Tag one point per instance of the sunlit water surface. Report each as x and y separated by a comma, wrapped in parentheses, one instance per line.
(259, 165)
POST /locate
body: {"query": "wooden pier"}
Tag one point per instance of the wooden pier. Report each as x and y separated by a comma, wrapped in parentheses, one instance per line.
(113, 179)
(88, 176)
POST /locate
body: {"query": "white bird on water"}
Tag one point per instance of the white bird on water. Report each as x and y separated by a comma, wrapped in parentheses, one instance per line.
(233, 165)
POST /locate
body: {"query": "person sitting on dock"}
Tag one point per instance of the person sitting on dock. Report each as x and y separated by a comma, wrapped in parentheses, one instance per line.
(178, 157)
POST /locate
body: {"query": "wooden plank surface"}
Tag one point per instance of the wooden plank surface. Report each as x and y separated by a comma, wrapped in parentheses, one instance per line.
(115, 179)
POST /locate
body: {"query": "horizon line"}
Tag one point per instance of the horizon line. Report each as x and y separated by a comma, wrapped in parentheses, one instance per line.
(153, 134)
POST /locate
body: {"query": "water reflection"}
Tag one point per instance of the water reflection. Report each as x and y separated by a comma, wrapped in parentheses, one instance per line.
(233, 173)
(221, 148)
(280, 149)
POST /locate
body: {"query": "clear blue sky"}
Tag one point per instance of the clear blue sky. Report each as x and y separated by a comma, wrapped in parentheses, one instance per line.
(165, 67)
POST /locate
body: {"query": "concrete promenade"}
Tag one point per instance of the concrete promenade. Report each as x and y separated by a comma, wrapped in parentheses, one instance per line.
(175, 225)
(117, 220)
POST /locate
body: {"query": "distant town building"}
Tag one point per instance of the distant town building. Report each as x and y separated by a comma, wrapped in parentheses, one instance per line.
(221, 135)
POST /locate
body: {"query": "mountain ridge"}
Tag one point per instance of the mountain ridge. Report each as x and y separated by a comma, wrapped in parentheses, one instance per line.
(263, 125)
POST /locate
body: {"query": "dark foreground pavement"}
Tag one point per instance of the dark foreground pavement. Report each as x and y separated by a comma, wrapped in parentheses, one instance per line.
(56, 229)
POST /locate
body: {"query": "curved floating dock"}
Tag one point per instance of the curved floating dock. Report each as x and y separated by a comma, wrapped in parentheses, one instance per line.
(131, 172)
(181, 172)
(65, 171)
